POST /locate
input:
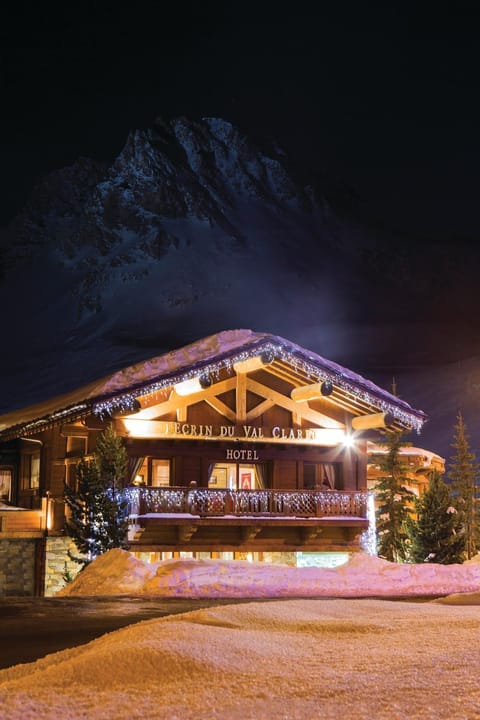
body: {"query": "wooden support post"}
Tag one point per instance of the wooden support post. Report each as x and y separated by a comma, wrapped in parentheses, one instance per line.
(241, 398)
(307, 533)
(182, 414)
(249, 533)
(185, 532)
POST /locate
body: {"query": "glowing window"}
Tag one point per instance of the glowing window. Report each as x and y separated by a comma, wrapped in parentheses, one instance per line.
(5, 485)
(35, 470)
(160, 473)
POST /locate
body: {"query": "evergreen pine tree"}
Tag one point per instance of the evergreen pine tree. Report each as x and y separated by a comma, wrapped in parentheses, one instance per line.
(394, 501)
(436, 534)
(463, 475)
(112, 461)
(98, 514)
(111, 457)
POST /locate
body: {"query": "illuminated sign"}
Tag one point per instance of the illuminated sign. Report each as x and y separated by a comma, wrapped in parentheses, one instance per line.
(178, 430)
(238, 454)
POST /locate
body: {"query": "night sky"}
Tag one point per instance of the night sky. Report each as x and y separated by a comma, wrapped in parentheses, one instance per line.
(378, 101)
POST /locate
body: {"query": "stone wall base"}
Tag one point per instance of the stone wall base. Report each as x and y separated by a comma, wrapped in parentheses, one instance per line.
(18, 572)
(59, 566)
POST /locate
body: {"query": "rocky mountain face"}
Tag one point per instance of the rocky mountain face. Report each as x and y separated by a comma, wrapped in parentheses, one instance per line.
(194, 229)
(179, 187)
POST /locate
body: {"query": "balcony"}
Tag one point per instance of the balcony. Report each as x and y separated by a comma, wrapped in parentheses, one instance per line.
(214, 519)
(209, 502)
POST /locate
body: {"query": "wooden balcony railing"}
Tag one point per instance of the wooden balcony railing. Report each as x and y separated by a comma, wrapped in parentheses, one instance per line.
(208, 502)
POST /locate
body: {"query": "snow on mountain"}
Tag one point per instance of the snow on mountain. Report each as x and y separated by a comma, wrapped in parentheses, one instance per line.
(191, 230)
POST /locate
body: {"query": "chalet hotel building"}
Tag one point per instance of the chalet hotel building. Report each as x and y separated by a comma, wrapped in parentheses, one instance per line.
(240, 445)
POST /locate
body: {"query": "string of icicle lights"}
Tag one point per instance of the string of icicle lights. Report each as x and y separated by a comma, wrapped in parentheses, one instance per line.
(350, 382)
(43, 423)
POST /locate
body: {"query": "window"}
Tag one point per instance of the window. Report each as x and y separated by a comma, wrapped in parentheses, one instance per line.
(71, 474)
(35, 470)
(31, 471)
(150, 471)
(5, 484)
(237, 477)
(160, 473)
(76, 446)
(320, 476)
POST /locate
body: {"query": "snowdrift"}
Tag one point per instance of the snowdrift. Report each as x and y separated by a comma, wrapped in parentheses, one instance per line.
(360, 659)
(119, 572)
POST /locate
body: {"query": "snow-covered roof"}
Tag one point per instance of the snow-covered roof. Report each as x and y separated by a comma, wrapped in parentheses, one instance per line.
(427, 455)
(119, 390)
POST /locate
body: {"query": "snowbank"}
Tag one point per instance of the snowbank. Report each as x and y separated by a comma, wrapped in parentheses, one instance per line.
(119, 572)
(114, 569)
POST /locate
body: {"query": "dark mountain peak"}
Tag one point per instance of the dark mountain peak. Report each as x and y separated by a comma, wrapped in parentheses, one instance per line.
(196, 187)
(205, 169)
(210, 162)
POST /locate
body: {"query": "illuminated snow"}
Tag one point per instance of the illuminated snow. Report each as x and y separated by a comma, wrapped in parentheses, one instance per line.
(293, 659)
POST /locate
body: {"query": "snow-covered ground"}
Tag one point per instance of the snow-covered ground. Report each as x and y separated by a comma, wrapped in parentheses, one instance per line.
(291, 659)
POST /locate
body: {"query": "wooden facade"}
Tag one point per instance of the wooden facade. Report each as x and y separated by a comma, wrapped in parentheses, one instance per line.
(239, 442)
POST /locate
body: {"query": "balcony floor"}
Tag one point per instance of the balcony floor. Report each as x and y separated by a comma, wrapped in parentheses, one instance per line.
(156, 532)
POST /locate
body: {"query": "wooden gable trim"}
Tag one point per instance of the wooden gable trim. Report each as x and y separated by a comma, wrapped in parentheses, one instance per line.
(221, 408)
(175, 402)
(241, 398)
(259, 409)
(241, 383)
(295, 408)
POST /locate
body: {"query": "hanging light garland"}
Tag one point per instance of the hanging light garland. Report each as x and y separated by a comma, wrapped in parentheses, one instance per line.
(334, 374)
(73, 412)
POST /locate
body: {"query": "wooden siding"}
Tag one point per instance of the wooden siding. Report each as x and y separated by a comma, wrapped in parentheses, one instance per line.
(21, 523)
(285, 474)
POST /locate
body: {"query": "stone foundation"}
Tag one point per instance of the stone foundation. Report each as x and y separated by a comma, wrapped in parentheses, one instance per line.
(17, 567)
(58, 564)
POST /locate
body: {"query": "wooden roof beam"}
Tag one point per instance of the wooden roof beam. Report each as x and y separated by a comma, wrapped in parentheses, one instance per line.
(315, 391)
(221, 408)
(259, 362)
(373, 421)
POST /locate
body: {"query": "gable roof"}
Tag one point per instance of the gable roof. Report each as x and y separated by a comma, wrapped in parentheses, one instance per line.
(118, 391)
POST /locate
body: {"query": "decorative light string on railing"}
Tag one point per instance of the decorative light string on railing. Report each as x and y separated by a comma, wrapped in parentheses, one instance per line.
(271, 502)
